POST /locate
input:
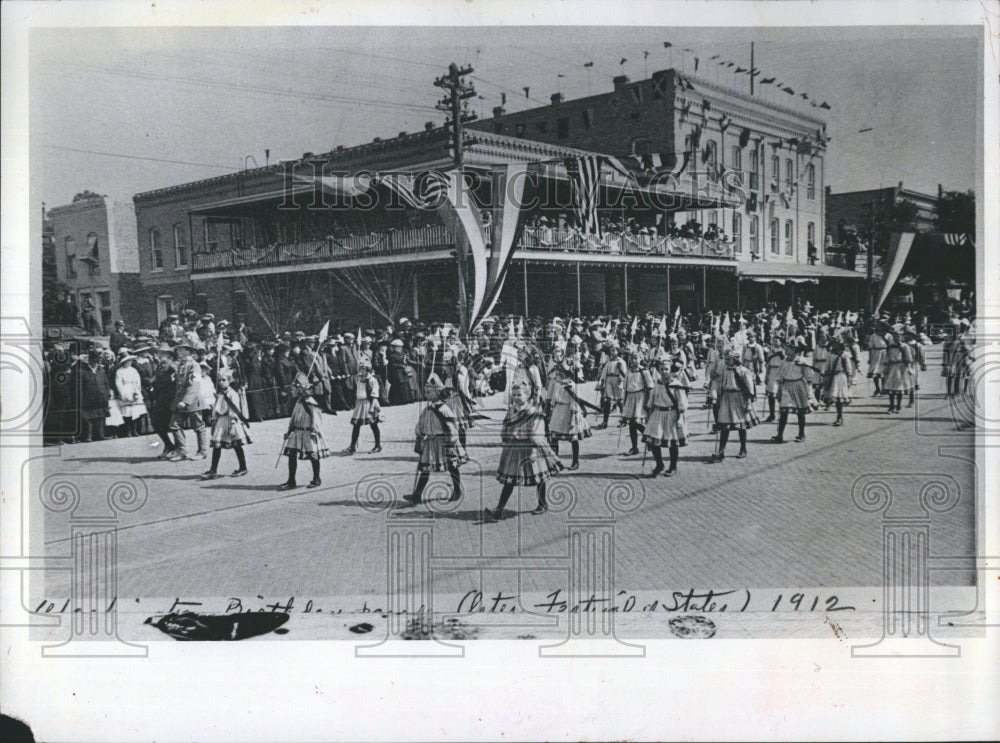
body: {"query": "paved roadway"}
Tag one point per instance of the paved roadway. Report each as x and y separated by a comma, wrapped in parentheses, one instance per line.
(778, 523)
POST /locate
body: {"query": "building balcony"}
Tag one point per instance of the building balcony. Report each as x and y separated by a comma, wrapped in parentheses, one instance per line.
(435, 238)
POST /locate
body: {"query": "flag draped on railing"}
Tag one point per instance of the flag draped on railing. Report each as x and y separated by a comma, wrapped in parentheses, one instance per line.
(584, 180)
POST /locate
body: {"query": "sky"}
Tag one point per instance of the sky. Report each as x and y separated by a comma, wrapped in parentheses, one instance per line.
(121, 111)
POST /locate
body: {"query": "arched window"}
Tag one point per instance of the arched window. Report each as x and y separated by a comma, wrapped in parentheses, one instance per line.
(810, 181)
(789, 175)
(774, 237)
(789, 231)
(754, 238)
(737, 232)
(775, 172)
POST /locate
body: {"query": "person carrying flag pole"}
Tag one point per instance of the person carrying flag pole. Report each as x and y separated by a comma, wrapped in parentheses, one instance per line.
(230, 429)
(304, 439)
(568, 419)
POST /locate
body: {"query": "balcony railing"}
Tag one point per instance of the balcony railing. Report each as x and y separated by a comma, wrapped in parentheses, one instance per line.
(438, 237)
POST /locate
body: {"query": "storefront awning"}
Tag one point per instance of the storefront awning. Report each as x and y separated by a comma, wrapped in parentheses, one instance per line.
(780, 272)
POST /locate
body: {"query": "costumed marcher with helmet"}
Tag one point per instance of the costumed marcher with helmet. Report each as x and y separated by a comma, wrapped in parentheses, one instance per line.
(230, 428)
(567, 417)
(753, 356)
(715, 366)
(526, 457)
(610, 383)
(459, 393)
(876, 356)
(367, 409)
(735, 407)
(638, 386)
(839, 376)
(918, 364)
(897, 380)
(437, 443)
(666, 420)
(304, 439)
(794, 380)
(773, 360)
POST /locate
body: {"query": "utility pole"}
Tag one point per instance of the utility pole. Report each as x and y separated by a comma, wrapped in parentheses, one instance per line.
(871, 265)
(457, 91)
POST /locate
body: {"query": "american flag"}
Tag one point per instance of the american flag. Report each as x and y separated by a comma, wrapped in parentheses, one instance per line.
(955, 238)
(424, 190)
(584, 178)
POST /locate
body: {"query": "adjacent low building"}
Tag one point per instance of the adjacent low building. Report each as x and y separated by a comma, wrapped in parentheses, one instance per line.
(97, 259)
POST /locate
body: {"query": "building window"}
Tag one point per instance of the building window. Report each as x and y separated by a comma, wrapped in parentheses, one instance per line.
(164, 307)
(737, 163)
(201, 303)
(713, 219)
(737, 232)
(774, 237)
(640, 146)
(788, 237)
(155, 249)
(180, 246)
(211, 236)
(562, 127)
(810, 181)
(754, 241)
(104, 307)
(236, 235)
(712, 158)
(93, 256)
(811, 233)
(240, 305)
(775, 172)
(70, 248)
(754, 170)
(789, 175)
(588, 118)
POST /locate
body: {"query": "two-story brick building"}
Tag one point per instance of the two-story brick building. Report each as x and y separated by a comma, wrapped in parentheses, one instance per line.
(97, 258)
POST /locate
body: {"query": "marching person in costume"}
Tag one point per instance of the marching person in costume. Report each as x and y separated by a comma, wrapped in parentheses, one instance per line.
(898, 359)
(715, 365)
(610, 383)
(666, 422)
(367, 410)
(437, 441)
(794, 379)
(568, 419)
(186, 406)
(753, 356)
(918, 364)
(459, 396)
(735, 408)
(774, 359)
(304, 439)
(876, 356)
(839, 375)
(638, 386)
(820, 356)
(526, 458)
(230, 428)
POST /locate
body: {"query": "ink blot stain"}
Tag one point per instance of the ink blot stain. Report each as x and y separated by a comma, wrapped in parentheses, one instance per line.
(360, 629)
(189, 625)
(692, 627)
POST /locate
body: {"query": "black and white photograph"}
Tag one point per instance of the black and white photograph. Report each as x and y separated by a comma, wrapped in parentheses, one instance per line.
(484, 371)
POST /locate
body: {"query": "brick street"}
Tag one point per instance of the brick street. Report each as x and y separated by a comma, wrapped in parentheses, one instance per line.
(777, 528)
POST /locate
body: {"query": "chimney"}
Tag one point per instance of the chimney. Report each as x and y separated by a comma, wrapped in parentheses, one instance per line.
(307, 155)
(402, 134)
(377, 140)
(557, 98)
(498, 111)
(620, 81)
(340, 148)
(428, 126)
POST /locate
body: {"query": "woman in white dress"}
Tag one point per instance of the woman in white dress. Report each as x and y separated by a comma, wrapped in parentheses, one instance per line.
(128, 387)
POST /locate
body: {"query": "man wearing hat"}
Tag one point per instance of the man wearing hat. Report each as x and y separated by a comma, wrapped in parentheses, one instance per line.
(95, 395)
(119, 338)
(186, 405)
(437, 442)
(163, 389)
(399, 374)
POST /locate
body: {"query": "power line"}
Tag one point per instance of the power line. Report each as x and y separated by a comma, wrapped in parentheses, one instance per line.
(345, 100)
(139, 157)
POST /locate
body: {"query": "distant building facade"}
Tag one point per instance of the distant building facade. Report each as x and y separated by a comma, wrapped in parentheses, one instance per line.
(97, 259)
